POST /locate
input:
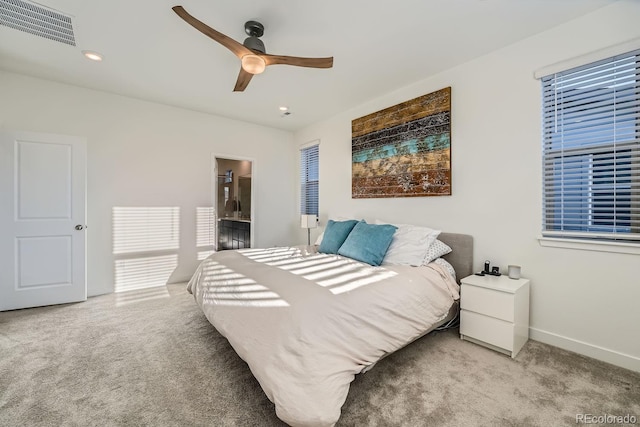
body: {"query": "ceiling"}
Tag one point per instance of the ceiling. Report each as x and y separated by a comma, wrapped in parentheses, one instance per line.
(378, 46)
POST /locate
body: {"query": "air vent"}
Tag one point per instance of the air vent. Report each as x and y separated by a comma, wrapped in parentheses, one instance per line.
(38, 20)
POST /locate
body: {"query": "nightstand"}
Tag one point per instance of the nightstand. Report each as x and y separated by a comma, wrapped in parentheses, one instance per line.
(494, 312)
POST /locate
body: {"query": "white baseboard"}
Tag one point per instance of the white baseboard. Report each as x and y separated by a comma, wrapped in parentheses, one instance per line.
(623, 360)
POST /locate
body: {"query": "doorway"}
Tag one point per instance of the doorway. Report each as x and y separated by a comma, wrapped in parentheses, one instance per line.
(233, 182)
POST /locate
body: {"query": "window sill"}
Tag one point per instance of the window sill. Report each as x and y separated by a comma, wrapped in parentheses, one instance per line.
(590, 245)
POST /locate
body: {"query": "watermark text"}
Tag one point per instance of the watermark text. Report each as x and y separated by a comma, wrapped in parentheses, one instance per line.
(606, 419)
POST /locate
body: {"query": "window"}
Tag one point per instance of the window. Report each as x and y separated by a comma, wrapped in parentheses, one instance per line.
(309, 166)
(591, 150)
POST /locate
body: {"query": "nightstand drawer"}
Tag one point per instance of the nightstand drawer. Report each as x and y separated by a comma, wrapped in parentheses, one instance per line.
(492, 331)
(487, 301)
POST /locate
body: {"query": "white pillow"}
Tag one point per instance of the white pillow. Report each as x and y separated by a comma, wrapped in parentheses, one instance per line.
(446, 265)
(409, 245)
(436, 250)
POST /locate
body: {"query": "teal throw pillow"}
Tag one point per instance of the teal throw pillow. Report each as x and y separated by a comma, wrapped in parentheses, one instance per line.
(368, 242)
(335, 234)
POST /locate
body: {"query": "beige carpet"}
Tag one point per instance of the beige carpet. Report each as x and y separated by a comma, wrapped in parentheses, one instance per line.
(150, 358)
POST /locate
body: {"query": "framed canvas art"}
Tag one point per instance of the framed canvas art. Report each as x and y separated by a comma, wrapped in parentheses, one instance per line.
(404, 150)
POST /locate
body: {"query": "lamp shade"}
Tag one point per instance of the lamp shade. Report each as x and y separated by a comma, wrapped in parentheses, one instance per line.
(253, 64)
(308, 221)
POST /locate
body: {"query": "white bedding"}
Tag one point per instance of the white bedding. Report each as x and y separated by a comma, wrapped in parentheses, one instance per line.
(307, 323)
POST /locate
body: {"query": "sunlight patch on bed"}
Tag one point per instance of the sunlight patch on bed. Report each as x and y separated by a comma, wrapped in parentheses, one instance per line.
(364, 281)
(209, 267)
(346, 277)
(338, 270)
(273, 258)
(232, 282)
(255, 303)
(246, 296)
(335, 273)
(267, 252)
(339, 275)
(317, 265)
(223, 286)
(224, 276)
(261, 251)
(301, 261)
(268, 255)
(240, 288)
(289, 259)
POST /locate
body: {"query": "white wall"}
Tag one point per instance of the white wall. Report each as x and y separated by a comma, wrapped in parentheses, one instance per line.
(582, 300)
(146, 154)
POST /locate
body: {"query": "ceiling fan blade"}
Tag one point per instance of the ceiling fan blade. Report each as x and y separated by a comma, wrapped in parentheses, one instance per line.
(298, 61)
(237, 48)
(243, 80)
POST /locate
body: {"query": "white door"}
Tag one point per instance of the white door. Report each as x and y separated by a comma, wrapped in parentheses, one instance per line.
(42, 219)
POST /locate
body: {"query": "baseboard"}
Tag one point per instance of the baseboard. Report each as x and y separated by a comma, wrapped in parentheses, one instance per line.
(600, 353)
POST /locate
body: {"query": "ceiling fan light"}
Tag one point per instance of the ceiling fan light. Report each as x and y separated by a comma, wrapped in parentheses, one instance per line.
(253, 64)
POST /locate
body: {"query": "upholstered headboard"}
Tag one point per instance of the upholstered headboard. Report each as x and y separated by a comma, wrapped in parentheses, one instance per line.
(461, 258)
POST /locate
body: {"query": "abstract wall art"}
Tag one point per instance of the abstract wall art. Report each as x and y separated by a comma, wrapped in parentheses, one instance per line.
(404, 150)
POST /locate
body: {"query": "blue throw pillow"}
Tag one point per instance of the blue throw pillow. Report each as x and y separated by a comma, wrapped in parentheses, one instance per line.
(368, 242)
(335, 234)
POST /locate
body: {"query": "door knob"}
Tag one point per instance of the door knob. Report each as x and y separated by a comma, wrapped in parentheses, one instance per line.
(79, 227)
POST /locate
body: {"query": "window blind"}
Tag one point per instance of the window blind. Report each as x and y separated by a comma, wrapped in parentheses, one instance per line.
(591, 150)
(309, 168)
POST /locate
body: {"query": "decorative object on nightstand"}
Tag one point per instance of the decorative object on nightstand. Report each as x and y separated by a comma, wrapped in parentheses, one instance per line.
(514, 271)
(308, 222)
(494, 312)
(494, 271)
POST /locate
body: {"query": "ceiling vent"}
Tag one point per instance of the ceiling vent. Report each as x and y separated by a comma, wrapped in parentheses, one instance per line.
(38, 20)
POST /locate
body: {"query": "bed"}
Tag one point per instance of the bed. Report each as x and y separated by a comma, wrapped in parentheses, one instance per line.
(307, 322)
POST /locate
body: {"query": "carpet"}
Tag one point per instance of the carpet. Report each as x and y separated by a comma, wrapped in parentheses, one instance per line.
(151, 358)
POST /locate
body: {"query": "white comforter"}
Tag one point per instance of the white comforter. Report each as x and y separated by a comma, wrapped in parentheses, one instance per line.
(307, 323)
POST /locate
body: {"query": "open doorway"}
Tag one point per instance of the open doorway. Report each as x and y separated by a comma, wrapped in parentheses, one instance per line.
(232, 184)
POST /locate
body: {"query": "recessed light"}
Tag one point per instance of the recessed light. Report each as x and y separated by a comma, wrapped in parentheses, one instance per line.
(283, 108)
(94, 56)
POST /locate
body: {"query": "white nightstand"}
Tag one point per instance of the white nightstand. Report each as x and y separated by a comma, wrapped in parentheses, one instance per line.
(494, 312)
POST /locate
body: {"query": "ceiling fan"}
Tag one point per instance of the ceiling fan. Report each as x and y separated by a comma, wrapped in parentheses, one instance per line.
(251, 53)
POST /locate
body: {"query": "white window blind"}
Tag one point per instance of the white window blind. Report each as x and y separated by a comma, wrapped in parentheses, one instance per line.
(591, 150)
(309, 165)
